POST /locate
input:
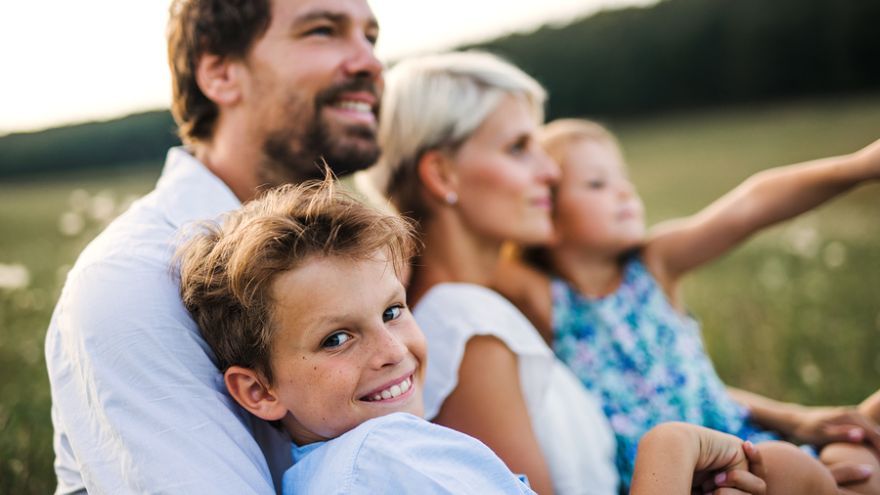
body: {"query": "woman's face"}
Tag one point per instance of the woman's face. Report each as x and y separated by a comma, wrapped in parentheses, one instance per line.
(504, 177)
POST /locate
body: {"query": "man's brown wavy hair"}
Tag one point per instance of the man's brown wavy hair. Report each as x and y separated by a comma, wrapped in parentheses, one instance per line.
(227, 28)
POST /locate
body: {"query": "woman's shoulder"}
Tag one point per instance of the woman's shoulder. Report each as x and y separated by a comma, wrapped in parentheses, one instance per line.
(464, 310)
(529, 289)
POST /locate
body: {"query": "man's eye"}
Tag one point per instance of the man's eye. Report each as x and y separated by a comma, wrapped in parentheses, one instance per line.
(320, 31)
(392, 313)
(335, 340)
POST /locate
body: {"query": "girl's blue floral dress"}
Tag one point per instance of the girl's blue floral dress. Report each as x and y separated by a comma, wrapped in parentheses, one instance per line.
(646, 362)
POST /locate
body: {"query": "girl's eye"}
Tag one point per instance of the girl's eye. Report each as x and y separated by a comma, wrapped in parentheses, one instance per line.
(596, 184)
(392, 313)
(335, 340)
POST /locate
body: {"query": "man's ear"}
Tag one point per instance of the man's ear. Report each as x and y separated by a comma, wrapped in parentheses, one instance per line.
(219, 78)
(438, 175)
(250, 390)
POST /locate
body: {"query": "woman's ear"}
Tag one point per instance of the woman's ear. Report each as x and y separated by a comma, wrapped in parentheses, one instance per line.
(250, 390)
(219, 79)
(438, 175)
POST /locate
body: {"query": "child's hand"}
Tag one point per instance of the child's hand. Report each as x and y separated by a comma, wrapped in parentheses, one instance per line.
(728, 466)
(681, 458)
(824, 425)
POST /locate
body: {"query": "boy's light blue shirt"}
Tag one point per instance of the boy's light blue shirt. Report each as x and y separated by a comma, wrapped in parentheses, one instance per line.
(399, 453)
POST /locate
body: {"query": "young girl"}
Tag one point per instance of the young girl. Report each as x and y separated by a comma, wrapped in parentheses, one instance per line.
(299, 298)
(611, 308)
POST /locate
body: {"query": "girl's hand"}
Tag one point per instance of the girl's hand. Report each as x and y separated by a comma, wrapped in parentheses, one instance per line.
(824, 425)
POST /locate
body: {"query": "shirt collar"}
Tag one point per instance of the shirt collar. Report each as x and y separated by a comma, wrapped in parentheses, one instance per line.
(188, 191)
(299, 453)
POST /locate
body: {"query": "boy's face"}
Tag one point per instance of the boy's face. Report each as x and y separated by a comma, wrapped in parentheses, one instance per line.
(347, 348)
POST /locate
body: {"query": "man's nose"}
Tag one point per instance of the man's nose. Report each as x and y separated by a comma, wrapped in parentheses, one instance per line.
(362, 60)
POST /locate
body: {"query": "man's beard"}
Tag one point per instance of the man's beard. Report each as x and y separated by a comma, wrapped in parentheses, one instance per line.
(298, 151)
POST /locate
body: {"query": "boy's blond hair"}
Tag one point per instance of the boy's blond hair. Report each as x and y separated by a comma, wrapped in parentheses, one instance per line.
(227, 271)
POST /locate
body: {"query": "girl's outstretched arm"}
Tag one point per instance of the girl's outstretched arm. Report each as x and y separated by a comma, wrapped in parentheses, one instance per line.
(676, 247)
(680, 458)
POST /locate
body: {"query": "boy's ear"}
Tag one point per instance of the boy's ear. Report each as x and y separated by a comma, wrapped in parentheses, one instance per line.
(249, 389)
(438, 175)
(219, 78)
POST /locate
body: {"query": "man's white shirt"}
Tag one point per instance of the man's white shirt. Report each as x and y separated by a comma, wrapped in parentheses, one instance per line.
(138, 405)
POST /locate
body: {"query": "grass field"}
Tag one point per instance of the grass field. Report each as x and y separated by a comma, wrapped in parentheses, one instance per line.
(794, 314)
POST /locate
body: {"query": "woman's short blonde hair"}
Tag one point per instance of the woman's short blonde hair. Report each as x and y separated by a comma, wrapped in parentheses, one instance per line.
(438, 102)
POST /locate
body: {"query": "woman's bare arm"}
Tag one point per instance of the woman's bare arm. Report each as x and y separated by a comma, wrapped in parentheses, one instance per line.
(488, 404)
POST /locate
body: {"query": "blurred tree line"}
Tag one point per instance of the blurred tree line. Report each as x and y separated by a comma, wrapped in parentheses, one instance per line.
(675, 54)
(690, 53)
(138, 138)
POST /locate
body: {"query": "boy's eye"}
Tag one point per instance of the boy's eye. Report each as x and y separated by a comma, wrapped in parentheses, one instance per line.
(335, 340)
(392, 313)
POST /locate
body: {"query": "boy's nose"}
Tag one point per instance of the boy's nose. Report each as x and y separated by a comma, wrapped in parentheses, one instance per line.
(388, 349)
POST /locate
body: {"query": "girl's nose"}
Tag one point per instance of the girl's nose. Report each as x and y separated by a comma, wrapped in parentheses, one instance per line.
(626, 188)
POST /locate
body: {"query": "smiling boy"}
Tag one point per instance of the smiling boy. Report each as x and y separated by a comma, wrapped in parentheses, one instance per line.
(299, 296)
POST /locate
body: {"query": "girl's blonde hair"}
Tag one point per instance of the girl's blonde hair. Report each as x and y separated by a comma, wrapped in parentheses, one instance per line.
(558, 135)
(438, 102)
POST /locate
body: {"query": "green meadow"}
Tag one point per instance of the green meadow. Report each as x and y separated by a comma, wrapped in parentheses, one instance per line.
(794, 313)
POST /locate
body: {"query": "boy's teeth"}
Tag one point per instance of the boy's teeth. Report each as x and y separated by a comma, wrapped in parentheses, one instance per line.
(393, 391)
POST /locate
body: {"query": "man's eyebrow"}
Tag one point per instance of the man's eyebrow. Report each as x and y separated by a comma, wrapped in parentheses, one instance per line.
(329, 15)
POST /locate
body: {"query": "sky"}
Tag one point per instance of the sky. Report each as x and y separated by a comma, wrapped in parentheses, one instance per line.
(71, 61)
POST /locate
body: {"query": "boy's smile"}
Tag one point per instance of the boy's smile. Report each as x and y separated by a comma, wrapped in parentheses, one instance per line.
(346, 348)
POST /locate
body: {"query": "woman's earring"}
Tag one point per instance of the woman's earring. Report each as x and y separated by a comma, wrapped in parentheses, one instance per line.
(451, 198)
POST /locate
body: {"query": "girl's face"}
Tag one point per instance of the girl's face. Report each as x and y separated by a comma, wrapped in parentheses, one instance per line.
(504, 177)
(597, 207)
(347, 348)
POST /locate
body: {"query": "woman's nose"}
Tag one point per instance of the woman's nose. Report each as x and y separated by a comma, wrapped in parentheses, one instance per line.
(549, 170)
